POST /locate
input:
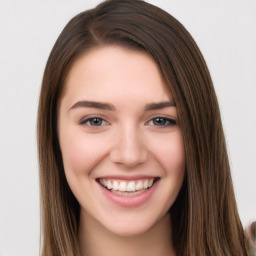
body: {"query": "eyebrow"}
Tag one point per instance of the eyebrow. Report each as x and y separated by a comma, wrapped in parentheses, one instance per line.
(93, 104)
(159, 105)
(108, 106)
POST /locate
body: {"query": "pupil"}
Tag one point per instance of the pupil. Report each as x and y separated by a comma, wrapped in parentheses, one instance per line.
(96, 121)
(159, 121)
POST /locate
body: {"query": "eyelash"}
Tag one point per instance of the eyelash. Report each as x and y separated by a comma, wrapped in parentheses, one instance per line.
(88, 120)
(167, 122)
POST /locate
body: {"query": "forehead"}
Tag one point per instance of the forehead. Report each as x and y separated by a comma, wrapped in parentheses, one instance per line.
(109, 70)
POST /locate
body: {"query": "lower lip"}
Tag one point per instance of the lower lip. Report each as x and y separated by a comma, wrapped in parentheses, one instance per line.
(133, 201)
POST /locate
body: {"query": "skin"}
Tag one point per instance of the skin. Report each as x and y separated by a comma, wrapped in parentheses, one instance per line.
(125, 140)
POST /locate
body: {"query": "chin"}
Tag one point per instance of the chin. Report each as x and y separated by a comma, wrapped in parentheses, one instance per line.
(132, 227)
(129, 231)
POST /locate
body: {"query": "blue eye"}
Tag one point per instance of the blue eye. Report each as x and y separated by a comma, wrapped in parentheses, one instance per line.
(162, 121)
(94, 121)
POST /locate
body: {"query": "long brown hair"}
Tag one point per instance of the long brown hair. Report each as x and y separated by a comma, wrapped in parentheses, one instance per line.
(205, 218)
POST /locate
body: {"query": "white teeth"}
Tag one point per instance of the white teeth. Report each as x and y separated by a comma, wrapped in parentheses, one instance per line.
(122, 186)
(139, 185)
(150, 183)
(128, 194)
(109, 185)
(131, 186)
(145, 185)
(127, 186)
(115, 185)
(103, 182)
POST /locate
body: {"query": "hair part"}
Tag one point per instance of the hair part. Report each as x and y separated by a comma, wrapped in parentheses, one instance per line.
(205, 218)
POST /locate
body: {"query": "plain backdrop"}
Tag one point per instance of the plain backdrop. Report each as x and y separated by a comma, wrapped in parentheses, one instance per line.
(225, 31)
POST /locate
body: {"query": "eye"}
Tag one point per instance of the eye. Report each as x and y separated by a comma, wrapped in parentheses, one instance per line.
(162, 121)
(94, 121)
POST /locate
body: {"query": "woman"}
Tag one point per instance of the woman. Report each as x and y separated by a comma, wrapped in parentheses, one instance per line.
(131, 148)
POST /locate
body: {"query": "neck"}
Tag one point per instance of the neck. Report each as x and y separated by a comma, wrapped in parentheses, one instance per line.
(95, 240)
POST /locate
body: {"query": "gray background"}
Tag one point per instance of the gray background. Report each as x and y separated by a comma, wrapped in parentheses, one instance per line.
(225, 31)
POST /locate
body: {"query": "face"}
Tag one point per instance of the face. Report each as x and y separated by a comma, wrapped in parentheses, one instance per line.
(120, 140)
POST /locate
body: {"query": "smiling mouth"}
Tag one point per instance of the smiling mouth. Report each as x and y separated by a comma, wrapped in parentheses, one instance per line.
(127, 188)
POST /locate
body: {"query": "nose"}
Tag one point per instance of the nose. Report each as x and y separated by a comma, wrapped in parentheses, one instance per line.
(128, 148)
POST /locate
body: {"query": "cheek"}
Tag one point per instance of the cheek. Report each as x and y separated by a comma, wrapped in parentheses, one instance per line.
(79, 152)
(170, 153)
